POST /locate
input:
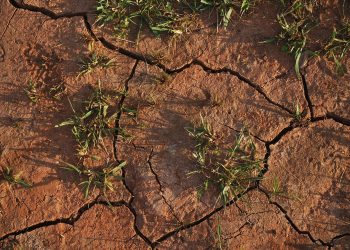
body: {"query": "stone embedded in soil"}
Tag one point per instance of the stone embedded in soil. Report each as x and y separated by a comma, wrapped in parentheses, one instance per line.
(311, 165)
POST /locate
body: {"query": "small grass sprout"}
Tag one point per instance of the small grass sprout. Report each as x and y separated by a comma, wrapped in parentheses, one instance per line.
(93, 61)
(152, 99)
(7, 174)
(130, 112)
(32, 91)
(125, 135)
(298, 114)
(204, 137)
(219, 235)
(215, 101)
(162, 78)
(245, 6)
(102, 178)
(276, 188)
(57, 91)
(277, 191)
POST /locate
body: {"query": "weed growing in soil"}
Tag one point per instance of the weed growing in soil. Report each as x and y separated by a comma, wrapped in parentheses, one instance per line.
(130, 112)
(151, 99)
(102, 178)
(125, 135)
(298, 114)
(276, 188)
(295, 23)
(159, 16)
(174, 17)
(277, 191)
(31, 91)
(215, 101)
(231, 169)
(225, 8)
(8, 175)
(57, 91)
(219, 235)
(93, 61)
(204, 138)
(90, 126)
(338, 46)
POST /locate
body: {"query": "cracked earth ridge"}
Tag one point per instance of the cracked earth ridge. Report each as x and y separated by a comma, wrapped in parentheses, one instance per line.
(66, 220)
(307, 96)
(152, 61)
(115, 152)
(161, 191)
(329, 244)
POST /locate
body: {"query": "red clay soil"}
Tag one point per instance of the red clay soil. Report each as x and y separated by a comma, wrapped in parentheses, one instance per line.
(228, 77)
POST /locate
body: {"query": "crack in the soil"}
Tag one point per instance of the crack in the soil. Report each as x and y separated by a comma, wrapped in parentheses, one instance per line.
(8, 23)
(329, 115)
(338, 119)
(160, 188)
(328, 244)
(293, 125)
(274, 141)
(194, 62)
(268, 144)
(202, 219)
(307, 96)
(338, 237)
(47, 12)
(119, 111)
(65, 220)
(238, 232)
(115, 153)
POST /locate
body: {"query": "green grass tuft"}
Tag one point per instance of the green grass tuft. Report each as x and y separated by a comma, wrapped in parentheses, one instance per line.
(295, 23)
(161, 16)
(93, 124)
(32, 91)
(102, 178)
(338, 46)
(232, 169)
(93, 61)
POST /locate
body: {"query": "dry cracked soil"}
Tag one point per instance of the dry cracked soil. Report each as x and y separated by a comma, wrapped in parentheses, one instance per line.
(228, 77)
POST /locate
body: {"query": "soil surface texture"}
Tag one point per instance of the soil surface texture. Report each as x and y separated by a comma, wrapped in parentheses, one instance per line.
(157, 87)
